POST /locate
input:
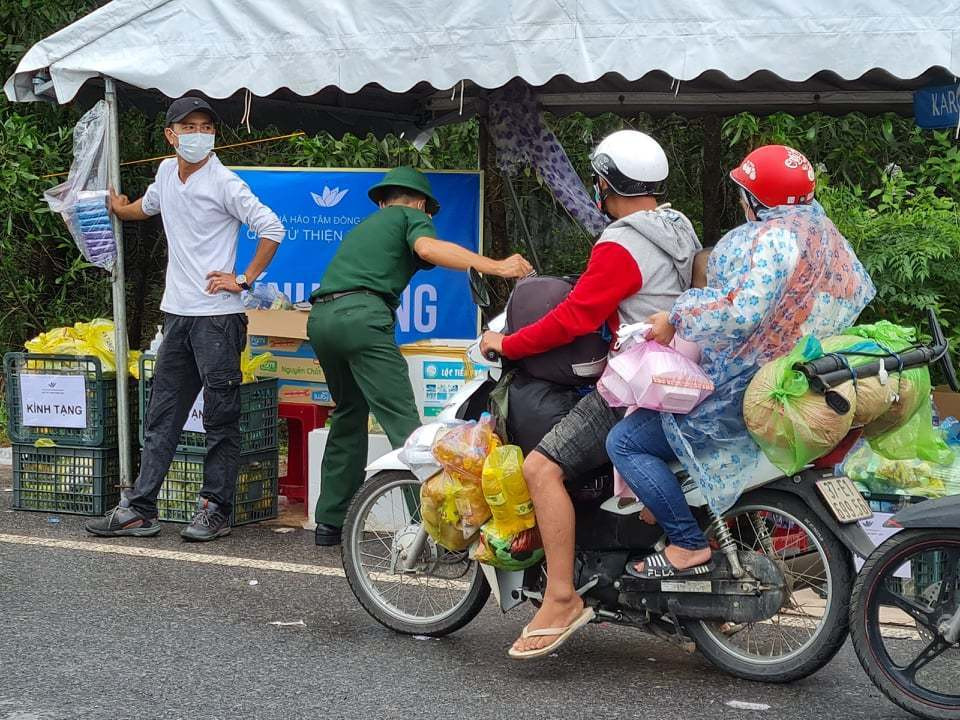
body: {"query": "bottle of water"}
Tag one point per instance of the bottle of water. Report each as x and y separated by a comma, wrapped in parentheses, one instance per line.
(155, 343)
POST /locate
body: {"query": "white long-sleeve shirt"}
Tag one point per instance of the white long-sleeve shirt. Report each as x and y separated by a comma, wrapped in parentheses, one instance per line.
(202, 219)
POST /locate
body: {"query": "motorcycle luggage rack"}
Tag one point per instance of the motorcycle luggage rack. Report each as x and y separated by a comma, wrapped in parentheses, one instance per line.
(830, 371)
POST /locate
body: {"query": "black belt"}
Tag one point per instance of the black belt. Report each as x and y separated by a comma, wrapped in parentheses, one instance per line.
(337, 295)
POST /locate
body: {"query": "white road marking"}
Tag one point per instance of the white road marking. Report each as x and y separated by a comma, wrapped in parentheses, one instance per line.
(225, 560)
(208, 559)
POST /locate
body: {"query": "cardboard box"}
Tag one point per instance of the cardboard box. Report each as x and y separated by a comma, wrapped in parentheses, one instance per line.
(284, 367)
(437, 372)
(279, 346)
(304, 393)
(283, 334)
(278, 323)
(947, 402)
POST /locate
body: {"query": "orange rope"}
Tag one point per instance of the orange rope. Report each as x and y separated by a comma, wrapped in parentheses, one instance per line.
(164, 157)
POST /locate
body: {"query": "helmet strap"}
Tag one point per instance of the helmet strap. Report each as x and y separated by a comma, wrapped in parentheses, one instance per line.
(600, 197)
(755, 205)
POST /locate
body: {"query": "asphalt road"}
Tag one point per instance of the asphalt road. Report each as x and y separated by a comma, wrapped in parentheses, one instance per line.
(92, 634)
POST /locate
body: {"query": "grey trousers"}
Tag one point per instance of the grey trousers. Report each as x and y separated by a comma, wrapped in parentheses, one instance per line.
(196, 352)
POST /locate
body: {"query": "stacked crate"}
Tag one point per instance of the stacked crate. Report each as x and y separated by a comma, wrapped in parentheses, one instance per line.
(64, 469)
(256, 495)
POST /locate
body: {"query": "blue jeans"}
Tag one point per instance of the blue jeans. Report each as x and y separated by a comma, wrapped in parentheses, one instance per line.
(640, 452)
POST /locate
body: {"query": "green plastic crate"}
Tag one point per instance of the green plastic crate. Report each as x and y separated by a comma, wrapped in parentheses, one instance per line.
(256, 495)
(258, 414)
(75, 480)
(101, 397)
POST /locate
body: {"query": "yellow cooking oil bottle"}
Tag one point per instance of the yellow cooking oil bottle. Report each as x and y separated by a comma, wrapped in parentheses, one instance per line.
(506, 491)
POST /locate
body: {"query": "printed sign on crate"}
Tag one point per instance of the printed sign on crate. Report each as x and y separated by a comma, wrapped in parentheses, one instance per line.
(53, 401)
(194, 421)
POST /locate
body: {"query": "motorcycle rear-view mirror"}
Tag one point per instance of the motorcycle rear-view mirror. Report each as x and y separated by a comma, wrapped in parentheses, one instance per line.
(479, 289)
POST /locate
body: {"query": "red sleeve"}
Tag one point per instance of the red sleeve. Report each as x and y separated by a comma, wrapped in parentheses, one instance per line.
(611, 275)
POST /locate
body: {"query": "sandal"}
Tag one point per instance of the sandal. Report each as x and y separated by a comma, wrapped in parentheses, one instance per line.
(563, 634)
(658, 566)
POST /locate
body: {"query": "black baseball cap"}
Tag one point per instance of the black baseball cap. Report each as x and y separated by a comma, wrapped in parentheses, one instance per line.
(182, 107)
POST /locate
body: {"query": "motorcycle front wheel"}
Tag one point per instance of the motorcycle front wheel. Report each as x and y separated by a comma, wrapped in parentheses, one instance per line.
(906, 594)
(812, 624)
(438, 595)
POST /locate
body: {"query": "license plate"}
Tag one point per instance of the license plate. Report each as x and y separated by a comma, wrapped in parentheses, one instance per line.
(844, 500)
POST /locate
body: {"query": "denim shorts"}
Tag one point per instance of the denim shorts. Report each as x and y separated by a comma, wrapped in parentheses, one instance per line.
(578, 442)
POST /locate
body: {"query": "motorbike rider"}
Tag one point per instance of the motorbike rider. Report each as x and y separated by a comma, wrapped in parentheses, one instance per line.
(640, 264)
(784, 274)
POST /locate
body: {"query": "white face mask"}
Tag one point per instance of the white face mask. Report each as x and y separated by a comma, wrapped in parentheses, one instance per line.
(194, 147)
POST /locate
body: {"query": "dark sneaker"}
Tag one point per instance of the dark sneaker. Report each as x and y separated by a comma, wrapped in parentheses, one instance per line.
(208, 523)
(326, 535)
(123, 521)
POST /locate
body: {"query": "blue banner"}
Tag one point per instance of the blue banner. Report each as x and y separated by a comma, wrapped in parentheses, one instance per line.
(319, 207)
(937, 107)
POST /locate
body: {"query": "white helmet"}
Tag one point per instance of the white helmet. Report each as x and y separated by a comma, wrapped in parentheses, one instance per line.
(632, 163)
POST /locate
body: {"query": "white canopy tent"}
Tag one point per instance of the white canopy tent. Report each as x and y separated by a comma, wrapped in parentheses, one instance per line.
(400, 65)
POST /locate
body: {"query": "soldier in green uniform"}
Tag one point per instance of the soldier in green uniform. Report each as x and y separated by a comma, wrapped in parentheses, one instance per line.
(351, 328)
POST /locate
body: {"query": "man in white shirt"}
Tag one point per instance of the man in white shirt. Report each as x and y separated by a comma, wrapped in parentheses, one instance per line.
(203, 205)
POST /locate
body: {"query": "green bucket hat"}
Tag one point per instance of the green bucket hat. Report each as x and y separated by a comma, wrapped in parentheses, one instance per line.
(406, 177)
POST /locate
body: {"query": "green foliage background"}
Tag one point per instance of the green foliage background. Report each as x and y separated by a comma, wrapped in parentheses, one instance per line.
(891, 188)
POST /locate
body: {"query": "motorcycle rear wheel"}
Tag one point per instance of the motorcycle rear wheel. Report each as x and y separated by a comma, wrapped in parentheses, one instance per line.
(803, 637)
(442, 593)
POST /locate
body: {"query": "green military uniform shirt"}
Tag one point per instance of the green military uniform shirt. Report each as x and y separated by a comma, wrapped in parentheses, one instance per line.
(377, 255)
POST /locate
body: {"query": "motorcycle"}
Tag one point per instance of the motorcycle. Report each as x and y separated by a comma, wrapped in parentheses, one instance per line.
(774, 609)
(913, 578)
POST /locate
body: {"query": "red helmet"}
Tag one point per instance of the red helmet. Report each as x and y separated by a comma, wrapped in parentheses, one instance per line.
(776, 175)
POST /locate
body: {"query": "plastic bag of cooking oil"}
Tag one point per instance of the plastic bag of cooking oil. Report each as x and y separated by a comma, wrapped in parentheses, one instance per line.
(506, 492)
(507, 552)
(465, 447)
(443, 498)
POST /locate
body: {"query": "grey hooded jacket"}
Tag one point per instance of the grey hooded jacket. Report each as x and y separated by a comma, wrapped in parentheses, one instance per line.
(663, 244)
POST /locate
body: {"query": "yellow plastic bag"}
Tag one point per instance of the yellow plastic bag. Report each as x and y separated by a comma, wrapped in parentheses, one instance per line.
(465, 447)
(92, 338)
(452, 502)
(249, 364)
(506, 492)
(441, 514)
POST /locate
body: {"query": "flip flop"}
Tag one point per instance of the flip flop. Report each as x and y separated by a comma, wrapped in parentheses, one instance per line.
(658, 566)
(563, 634)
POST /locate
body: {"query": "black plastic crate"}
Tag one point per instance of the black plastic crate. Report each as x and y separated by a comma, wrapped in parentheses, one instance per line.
(258, 414)
(101, 398)
(75, 480)
(255, 499)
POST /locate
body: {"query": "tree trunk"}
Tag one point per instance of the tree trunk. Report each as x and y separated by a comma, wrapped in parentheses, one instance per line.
(712, 180)
(495, 243)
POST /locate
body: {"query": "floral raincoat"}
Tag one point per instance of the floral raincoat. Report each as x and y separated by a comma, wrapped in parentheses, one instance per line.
(769, 283)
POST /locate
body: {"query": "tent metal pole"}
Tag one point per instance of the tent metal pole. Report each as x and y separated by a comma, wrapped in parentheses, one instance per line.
(119, 290)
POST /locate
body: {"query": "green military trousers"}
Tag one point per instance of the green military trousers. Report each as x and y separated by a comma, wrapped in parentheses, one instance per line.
(353, 338)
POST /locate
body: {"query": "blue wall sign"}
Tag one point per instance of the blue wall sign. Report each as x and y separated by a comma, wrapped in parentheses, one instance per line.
(319, 207)
(937, 107)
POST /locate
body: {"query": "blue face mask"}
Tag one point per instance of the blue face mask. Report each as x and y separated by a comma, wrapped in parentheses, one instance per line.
(194, 147)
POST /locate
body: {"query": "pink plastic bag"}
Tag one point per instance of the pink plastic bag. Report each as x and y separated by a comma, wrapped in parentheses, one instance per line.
(649, 375)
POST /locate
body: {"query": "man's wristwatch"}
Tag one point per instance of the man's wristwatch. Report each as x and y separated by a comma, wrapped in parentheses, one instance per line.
(241, 280)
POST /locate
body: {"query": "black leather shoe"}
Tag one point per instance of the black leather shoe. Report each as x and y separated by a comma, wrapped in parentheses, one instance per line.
(327, 535)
